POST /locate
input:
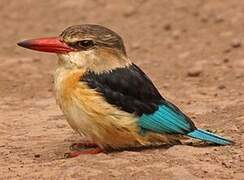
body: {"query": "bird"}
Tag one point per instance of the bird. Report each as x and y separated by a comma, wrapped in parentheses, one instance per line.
(107, 98)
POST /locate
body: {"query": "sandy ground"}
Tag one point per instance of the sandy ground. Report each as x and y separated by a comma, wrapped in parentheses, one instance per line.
(193, 51)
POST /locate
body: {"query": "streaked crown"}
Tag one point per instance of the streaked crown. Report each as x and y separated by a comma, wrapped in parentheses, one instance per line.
(88, 36)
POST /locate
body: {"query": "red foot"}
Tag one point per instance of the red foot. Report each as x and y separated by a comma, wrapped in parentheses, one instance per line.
(82, 145)
(87, 151)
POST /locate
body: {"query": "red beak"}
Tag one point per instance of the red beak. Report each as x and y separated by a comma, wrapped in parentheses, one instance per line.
(51, 44)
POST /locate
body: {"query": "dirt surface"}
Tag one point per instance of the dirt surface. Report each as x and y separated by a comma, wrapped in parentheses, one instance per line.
(194, 52)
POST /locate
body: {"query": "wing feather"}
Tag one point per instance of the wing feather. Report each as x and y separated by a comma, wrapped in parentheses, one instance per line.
(130, 89)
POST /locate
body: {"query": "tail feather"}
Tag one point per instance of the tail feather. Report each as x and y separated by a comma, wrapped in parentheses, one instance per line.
(210, 137)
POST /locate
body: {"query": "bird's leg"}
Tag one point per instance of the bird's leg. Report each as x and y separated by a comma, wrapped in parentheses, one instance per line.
(86, 151)
(82, 145)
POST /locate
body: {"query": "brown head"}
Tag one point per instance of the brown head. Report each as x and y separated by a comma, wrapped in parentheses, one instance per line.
(88, 46)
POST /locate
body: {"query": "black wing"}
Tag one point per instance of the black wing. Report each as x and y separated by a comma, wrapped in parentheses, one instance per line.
(128, 88)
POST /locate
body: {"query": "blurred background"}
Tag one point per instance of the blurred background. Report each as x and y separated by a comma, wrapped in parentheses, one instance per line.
(192, 50)
(166, 35)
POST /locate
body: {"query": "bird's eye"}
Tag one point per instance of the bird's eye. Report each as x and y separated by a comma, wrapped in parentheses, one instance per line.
(85, 43)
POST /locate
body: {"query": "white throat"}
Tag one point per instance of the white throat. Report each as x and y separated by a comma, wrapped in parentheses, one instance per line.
(92, 60)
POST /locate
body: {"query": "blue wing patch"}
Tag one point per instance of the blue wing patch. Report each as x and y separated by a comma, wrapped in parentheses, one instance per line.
(167, 119)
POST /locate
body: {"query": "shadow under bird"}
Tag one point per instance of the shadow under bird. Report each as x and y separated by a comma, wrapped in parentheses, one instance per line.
(107, 98)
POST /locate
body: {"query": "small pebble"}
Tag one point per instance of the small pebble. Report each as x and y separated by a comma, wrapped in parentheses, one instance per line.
(221, 86)
(167, 27)
(188, 102)
(204, 19)
(239, 75)
(37, 155)
(226, 60)
(219, 19)
(194, 72)
(36, 60)
(202, 92)
(236, 43)
(130, 11)
(165, 85)
(205, 171)
(135, 45)
(176, 34)
(227, 51)
(217, 63)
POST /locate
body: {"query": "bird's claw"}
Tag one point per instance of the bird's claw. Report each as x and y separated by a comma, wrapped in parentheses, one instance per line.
(67, 155)
(84, 151)
(73, 147)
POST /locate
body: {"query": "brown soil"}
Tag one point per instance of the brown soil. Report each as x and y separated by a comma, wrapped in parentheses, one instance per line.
(194, 52)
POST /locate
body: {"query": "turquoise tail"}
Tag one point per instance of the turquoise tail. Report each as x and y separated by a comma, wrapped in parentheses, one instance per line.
(210, 137)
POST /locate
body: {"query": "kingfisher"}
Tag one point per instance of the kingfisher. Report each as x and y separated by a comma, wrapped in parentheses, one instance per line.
(107, 98)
